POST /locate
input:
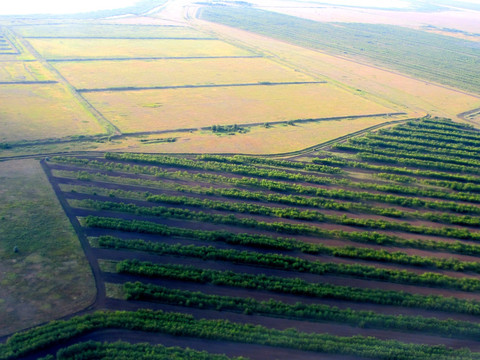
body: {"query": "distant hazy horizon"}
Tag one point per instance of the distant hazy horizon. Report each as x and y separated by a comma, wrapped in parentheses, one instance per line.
(25, 7)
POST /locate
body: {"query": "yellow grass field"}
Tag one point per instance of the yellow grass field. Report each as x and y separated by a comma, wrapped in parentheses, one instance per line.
(172, 72)
(132, 48)
(259, 140)
(107, 30)
(30, 112)
(158, 110)
(415, 95)
(12, 71)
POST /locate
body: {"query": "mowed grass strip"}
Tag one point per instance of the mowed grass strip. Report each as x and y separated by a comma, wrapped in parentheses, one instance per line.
(161, 110)
(106, 30)
(53, 49)
(33, 112)
(145, 73)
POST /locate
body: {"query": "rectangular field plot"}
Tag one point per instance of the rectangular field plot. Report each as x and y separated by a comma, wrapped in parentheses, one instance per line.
(16, 71)
(158, 110)
(175, 72)
(107, 30)
(31, 112)
(132, 48)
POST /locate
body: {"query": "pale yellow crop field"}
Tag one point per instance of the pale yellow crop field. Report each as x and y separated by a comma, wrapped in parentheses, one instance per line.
(158, 110)
(107, 30)
(176, 72)
(132, 48)
(259, 140)
(416, 96)
(30, 112)
(12, 71)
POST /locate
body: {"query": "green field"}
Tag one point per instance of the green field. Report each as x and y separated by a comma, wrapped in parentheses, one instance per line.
(49, 277)
(438, 58)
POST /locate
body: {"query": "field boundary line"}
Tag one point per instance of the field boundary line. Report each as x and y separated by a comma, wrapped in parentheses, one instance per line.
(134, 88)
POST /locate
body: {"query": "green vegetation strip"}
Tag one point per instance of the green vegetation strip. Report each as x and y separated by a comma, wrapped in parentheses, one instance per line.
(267, 184)
(180, 213)
(280, 243)
(178, 324)
(349, 252)
(92, 350)
(313, 312)
(297, 286)
(295, 264)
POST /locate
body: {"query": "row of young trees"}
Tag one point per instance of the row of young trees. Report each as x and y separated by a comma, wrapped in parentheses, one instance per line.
(264, 182)
(92, 350)
(281, 242)
(348, 252)
(312, 312)
(177, 324)
(282, 227)
(297, 286)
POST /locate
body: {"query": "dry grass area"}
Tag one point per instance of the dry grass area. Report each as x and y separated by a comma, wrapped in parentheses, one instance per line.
(415, 96)
(175, 72)
(259, 140)
(13, 71)
(49, 277)
(106, 30)
(30, 112)
(159, 110)
(133, 48)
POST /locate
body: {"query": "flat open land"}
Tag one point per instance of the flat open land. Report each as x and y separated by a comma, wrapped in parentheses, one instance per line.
(18, 71)
(58, 49)
(31, 112)
(160, 110)
(49, 277)
(385, 85)
(105, 30)
(176, 72)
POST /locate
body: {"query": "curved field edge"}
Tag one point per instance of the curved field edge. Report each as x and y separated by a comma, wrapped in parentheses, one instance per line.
(44, 272)
(186, 325)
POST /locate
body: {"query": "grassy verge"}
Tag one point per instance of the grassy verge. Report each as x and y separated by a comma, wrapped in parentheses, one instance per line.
(49, 276)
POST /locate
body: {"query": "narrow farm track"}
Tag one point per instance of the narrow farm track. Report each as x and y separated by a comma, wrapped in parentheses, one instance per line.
(187, 234)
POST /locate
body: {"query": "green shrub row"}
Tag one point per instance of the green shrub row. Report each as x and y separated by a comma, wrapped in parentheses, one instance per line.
(177, 324)
(297, 286)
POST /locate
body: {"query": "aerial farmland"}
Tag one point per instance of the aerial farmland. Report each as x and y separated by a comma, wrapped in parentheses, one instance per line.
(241, 180)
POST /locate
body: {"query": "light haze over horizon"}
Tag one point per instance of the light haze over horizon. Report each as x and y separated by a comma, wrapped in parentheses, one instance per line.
(25, 7)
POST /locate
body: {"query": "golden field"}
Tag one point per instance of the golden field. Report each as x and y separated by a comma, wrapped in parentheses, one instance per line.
(40, 111)
(175, 72)
(107, 30)
(133, 48)
(384, 86)
(160, 110)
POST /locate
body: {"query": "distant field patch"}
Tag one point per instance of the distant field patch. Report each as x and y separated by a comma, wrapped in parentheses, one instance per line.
(5, 46)
(30, 112)
(111, 74)
(107, 30)
(158, 110)
(14, 71)
(132, 48)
